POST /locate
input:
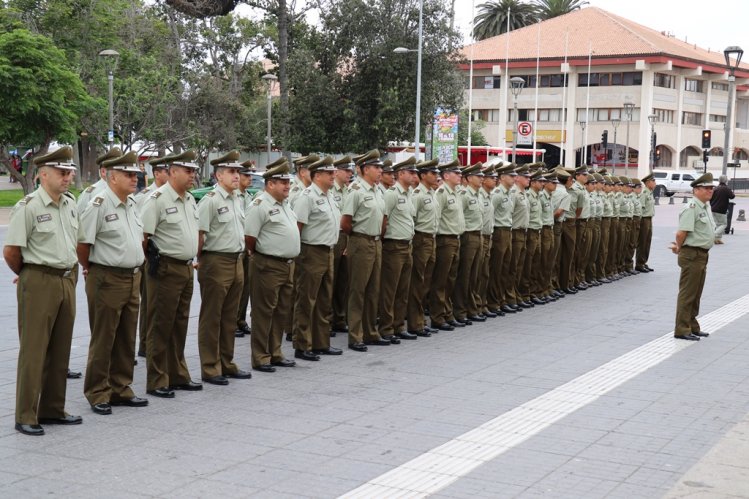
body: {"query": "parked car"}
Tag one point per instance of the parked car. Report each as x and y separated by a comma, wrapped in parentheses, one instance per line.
(668, 183)
(258, 184)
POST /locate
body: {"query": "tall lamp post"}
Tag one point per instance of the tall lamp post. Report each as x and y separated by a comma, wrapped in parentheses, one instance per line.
(614, 123)
(583, 149)
(652, 119)
(269, 79)
(516, 87)
(736, 52)
(629, 106)
(403, 50)
(110, 58)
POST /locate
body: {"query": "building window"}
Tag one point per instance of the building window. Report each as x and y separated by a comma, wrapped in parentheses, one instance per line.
(717, 118)
(610, 79)
(693, 85)
(719, 86)
(664, 115)
(546, 81)
(486, 115)
(545, 115)
(605, 114)
(688, 118)
(664, 81)
(487, 82)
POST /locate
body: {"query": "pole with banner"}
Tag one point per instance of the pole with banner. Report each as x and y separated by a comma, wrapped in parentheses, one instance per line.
(445, 135)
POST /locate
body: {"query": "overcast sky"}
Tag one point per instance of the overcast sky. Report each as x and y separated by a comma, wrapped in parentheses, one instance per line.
(722, 23)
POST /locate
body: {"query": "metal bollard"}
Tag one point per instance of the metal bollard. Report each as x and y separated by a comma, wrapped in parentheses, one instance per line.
(684, 200)
(671, 200)
(741, 217)
(657, 200)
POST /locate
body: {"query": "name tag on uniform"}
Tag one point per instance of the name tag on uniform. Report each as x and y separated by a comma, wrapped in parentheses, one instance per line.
(274, 211)
(427, 201)
(369, 198)
(112, 217)
(486, 203)
(337, 198)
(471, 201)
(320, 202)
(46, 217)
(401, 201)
(171, 210)
(223, 209)
(702, 215)
(450, 201)
(504, 200)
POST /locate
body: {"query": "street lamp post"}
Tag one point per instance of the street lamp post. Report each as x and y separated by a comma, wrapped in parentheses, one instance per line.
(583, 149)
(736, 52)
(110, 57)
(269, 79)
(614, 123)
(652, 119)
(629, 106)
(403, 50)
(516, 87)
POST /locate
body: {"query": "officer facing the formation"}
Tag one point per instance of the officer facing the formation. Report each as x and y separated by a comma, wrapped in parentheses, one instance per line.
(110, 251)
(397, 259)
(318, 220)
(694, 238)
(344, 171)
(220, 272)
(170, 227)
(362, 220)
(40, 249)
(647, 204)
(89, 192)
(272, 238)
(245, 198)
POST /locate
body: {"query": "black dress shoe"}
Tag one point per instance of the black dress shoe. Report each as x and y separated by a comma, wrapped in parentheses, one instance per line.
(423, 333)
(570, 291)
(490, 315)
(135, 362)
(340, 329)
(634, 271)
(265, 368)
(240, 374)
(378, 342)
(333, 334)
(393, 339)
(701, 334)
(238, 333)
(142, 353)
(283, 363)
(405, 335)
(443, 327)
(190, 386)
(690, 337)
(431, 329)
(30, 429)
(102, 409)
(507, 309)
(604, 280)
(65, 420)
(328, 351)
(289, 337)
(537, 301)
(304, 355)
(650, 269)
(73, 375)
(467, 321)
(242, 330)
(358, 347)
(132, 402)
(455, 323)
(217, 380)
(165, 393)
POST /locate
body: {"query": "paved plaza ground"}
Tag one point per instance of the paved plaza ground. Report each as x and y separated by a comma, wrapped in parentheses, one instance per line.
(585, 397)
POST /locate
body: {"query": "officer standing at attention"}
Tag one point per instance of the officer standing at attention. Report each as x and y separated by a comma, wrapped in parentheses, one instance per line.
(501, 253)
(272, 238)
(302, 179)
(647, 204)
(318, 220)
(344, 171)
(532, 267)
(544, 289)
(220, 272)
(636, 216)
(397, 261)
(520, 220)
(245, 198)
(40, 249)
(582, 235)
(560, 200)
(170, 220)
(606, 215)
(694, 238)
(362, 220)
(388, 177)
(89, 192)
(569, 234)
(450, 226)
(593, 230)
(488, 184)
(110, 251)
(424, 246)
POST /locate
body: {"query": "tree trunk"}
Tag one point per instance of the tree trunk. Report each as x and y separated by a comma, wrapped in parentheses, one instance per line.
(283, 77)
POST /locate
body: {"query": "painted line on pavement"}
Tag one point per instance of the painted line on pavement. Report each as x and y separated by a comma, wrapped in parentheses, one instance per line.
(443, 465)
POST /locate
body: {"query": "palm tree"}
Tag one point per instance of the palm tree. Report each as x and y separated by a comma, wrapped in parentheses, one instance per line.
(553, 8)
(492, 17)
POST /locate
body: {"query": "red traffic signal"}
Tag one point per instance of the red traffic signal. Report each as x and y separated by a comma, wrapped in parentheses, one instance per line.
(706, 136)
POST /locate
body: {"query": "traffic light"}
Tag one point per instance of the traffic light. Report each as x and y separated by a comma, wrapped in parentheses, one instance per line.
(706, 135)
(657, 153)
(605, 139)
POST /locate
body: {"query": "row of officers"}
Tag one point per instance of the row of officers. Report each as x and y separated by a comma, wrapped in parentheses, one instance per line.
(315, 254)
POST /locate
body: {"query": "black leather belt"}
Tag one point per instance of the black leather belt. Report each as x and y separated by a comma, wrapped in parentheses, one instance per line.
(425, 234)
(365, 236)
(50, 270)
(276, 258)
(118, 270)
(176, 261)
(234, 256)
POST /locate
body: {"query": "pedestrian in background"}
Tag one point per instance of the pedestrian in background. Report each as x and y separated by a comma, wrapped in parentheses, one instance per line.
(722, 195)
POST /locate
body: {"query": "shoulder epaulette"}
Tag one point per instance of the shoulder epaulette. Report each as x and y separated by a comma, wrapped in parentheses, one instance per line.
(441, 189)
(356, 187)
(257, 201)
(26, 199)
(89, 189)
(69, 194)
(156, 194)
(210, 194)
(98, 200)
(417, 191)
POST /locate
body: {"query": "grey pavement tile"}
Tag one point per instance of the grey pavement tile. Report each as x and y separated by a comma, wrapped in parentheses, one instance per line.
(632, 491)
(520, 467)
(9, 478)
(290, 460)
(314, 485)
(379, 453)
(252, 475)
(651, 477)
(570, 485)
(324, 446)
(201, 488)
(38, 487)
(351, 469)
(468, 488)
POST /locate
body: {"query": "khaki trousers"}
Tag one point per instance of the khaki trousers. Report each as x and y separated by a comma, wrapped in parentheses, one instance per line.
(633, 241)
(46, 313)
(532, 265)
(693, 263)
(643, 245)
(423, 252)
(499, 278)
(469, 265)
(480, 291)
(112, 297)
(395, 279)
(244, 297)
(143, 314)
(612, 264)
(556, 255)
(221, 278)
(364, 287)
(169, 295)
(340, 282)
(545, 262)
(517, 261)
(603, 251)
(594, 230)
(567, 258)
(313, 298)
(582, 250)
(443, 279)
(626, 230)
(271, 282)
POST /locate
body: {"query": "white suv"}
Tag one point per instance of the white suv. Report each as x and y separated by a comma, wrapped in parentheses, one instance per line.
(668, 183)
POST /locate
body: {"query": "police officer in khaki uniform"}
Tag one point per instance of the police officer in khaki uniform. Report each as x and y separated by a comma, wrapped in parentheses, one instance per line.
(582, 234)
(272, 238)
(424, 247)
(470, 258)
(569, 234)
(694, 238)
(396, 249)
(606, 215)
(40, 248)
(170, 220)
(245, 198)
(488, 184)
(450, 226)
(110, 251)
(362, 220)
(532, 268)
(220, 272)
(647, 204)
(501, 252)
(544, 285)
(636, 216)
(594, 231)
(318, 219)
(94, 189)
(302, 178)
(344, 170)
(520, 220)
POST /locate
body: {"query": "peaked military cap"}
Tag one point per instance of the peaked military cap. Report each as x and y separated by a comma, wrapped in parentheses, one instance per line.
(125, 163)
(247, 167)
(581, 170)
(637, 182)
(523, 170)
(305, 161)
(157, 162)
(474, 169)
(602, 171)
(228, 160)
(490, 171)
(61, 158)
(278, 172)
(537, 175)
(276, 163)
(371, 158)
(648, 178)
(608, 180)
(186, 159)
(114, 152)
(345, 163)
(387, 166)
(551, 177)
(427, 166)
(452, 166)
(324, 165)
(407, 165)
(562, 174)
(508, 169)
(705, 180)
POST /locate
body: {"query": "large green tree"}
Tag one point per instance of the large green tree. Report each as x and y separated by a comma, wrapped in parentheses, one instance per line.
(493, 15)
